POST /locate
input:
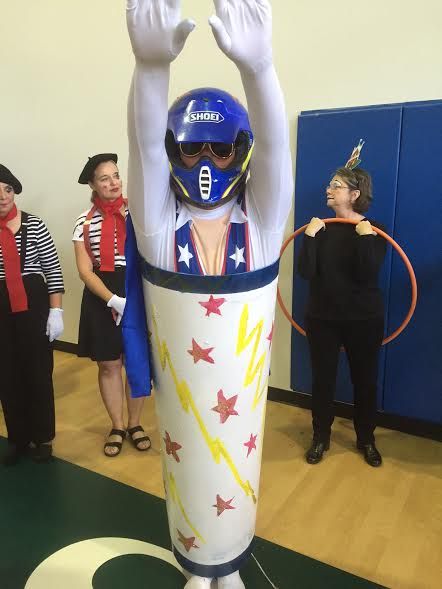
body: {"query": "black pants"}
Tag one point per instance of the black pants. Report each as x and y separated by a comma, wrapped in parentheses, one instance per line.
(362, 340)
(26, 363)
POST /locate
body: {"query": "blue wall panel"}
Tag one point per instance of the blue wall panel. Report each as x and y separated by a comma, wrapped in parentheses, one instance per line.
(325, 141)
(413, 376)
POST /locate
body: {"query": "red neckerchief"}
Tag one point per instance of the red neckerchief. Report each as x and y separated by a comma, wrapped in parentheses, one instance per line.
(113, 220)
(11, 260)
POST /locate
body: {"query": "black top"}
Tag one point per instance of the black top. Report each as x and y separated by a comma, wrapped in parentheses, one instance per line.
(343, 269)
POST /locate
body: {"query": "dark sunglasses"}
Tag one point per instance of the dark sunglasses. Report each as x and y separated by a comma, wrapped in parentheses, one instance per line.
(221, 150)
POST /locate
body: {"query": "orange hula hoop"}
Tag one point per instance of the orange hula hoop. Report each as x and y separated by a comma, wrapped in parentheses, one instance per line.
(396, 246)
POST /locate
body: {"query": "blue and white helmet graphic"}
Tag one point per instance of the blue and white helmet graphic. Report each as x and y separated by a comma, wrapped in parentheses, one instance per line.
(208, 115)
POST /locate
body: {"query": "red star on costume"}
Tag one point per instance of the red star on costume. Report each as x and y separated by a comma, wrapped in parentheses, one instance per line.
(270, 336)
(172, 447)
(222, 505)
(188, 543)
(212, 305)
(225, 407)
(251, 444)
(199, 353)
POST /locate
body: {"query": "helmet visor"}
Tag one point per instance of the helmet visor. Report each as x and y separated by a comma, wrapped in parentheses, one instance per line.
(218, 149)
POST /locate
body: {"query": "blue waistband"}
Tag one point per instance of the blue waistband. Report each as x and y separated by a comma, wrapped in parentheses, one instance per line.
(216, 570)
(229, 283)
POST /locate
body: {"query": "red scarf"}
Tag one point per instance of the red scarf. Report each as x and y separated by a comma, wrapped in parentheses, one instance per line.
(11, 261)
(113, 220)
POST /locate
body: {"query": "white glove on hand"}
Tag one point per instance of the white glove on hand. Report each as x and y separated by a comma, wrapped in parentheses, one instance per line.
(155, 30)
(54, 325)
(364, 228)
(243, 31)
(314, 227)
(117, 304)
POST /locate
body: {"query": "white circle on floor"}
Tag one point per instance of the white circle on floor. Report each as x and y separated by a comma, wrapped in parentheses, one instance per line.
(74, 566)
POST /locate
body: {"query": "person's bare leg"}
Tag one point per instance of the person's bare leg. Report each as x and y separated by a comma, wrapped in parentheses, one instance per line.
(134, 409)
(112, 392)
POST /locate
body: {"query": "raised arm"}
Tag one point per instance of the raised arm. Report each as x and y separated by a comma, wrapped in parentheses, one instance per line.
(307, 261)
(243, 31)
(157, 36)
(370, 252)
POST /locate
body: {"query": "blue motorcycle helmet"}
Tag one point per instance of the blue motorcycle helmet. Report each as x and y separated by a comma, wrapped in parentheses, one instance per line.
(208, 116)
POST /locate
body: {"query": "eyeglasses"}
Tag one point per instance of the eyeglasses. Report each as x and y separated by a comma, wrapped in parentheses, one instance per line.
(335, 185)
(195, 148)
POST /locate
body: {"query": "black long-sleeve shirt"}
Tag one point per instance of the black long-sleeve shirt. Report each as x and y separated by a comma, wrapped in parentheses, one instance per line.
(343, 269)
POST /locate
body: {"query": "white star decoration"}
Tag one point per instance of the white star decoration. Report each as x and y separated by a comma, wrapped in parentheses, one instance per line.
(185, 255)
(238, 256)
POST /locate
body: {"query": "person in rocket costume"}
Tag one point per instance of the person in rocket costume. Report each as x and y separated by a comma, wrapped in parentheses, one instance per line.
(210, 189)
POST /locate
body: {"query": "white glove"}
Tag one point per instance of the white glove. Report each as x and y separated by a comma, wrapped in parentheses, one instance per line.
(364, 228)
(156, 32)
(117, 304)
(243, 31)
(314, 227)
(54, 325)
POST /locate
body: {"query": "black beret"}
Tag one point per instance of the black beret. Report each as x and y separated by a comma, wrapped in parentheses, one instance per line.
(8, 178)
(87, 174)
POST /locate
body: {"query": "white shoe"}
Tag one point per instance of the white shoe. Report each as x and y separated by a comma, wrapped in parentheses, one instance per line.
(198, 583)
(232, 581)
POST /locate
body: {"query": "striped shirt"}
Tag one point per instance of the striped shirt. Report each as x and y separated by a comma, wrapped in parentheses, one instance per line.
(95, 235)
(40, 256)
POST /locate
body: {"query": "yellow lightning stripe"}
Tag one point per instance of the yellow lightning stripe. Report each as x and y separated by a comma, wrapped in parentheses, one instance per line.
(215, 445)
(174, 495)
(243, 342)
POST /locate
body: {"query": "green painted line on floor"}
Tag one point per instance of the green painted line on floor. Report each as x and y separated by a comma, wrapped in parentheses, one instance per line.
(64, 527)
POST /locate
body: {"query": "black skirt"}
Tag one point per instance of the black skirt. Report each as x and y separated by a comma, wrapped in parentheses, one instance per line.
(99, 338)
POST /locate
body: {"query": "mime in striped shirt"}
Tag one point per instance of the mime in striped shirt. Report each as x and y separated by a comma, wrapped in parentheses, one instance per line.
(99, 236)
(31, 287)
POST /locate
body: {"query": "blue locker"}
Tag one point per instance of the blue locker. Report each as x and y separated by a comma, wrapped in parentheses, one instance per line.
(413, 373)
(325, 141)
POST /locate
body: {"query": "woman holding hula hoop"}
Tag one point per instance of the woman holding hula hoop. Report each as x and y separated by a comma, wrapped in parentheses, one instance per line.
(345, 307)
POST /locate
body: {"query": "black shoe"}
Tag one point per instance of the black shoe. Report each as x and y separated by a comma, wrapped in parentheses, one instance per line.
(13, 455)
(41, 452)
(316, 450)
(371, 454)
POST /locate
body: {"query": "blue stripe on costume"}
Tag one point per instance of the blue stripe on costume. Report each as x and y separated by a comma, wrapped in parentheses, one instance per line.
(216, 570)
(186, 259)
(134, 324)
(237, 257)
(228, 283)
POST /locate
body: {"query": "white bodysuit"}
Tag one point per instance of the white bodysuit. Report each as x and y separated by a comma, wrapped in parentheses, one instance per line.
(243, 32)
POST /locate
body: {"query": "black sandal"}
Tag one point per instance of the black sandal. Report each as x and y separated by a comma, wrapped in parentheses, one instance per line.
(118, 445)
(136, 441)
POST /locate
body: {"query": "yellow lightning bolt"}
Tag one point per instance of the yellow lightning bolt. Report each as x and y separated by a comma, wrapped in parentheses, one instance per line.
(174, 495)
(253, 368)
(215, 445)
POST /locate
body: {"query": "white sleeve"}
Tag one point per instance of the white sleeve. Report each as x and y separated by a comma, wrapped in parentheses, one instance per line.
(271, 178)
(78, 228)
(148, 190)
